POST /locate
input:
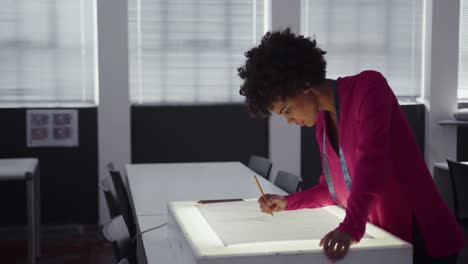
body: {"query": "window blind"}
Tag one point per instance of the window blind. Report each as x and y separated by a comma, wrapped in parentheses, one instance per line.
(47, 52)
(188, 51)
(463, 52)
(382, 35)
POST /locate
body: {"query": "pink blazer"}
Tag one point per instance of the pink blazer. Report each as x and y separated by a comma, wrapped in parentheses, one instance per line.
(390, 180)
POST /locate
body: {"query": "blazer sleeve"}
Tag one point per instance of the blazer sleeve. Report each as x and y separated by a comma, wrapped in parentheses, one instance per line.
(372, 154)
(317, 196)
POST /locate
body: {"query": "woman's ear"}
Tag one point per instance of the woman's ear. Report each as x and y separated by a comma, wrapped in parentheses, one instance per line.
(310, 91)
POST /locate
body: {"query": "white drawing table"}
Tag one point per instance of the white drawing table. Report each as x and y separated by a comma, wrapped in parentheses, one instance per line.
(27, 169)
(152, 186)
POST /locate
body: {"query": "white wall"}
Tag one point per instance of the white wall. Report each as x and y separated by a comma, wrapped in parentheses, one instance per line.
(285, 140)
(114, 102)
(440, 78)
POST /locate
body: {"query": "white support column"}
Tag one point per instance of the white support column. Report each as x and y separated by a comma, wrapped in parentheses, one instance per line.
(285, 140)
(440, 78)
(114, 103)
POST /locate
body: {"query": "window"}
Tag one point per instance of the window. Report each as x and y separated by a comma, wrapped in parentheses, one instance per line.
(47, 52)
(463, 52)
(382, 35)
(188, 51)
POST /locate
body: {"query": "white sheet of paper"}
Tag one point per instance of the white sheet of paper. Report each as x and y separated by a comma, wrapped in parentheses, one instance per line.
(243, 222)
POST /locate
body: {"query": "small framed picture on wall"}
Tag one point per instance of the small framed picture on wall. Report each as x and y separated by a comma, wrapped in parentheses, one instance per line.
(52, 127)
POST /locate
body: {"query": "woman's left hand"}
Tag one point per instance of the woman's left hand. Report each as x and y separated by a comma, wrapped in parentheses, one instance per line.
(336, 244)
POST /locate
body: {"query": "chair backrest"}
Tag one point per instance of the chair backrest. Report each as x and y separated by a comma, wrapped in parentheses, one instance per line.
(122, 199)
(108, 189)
(289, 182)
(124, 261)
(116, 231)
(459, 177)
(260, 165)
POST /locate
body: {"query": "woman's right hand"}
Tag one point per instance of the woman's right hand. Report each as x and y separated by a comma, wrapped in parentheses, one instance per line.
(275, 203)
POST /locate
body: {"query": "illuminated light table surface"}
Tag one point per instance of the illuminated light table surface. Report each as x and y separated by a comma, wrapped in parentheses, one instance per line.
(194, 236)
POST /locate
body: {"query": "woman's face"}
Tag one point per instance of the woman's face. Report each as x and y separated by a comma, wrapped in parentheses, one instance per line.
(301, 109)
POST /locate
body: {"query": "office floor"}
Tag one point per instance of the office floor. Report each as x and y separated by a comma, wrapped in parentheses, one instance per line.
(74, 245)
(60, 245)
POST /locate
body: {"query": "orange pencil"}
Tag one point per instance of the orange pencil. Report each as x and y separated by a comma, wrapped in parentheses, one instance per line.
(263, 194)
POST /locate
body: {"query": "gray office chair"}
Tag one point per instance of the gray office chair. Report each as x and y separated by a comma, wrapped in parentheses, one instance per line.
(124, 261)
(124, 246)
(459, 177)
(116, 232)
(108, 189)
(123, 200)
(260, 165)
(289, 182)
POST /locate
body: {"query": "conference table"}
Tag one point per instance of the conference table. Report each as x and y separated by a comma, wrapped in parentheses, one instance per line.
(153, 186)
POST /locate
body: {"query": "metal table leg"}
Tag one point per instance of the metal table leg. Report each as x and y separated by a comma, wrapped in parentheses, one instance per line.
(33, 215)
(31, 221)
(37, 210)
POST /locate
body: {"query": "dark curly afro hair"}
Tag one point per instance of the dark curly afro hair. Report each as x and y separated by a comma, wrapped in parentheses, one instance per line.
(280, 67)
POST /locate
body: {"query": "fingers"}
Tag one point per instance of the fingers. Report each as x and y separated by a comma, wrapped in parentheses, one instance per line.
(335, 246)
(274, 208)
(272, 203)
(266, 206)
(344, 251)
(262, 204)
(267, 197)
(337, 252)
(325, 242)
(272, 200)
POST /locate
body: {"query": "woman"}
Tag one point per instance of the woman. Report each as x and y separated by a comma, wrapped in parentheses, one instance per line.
(372, 165)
